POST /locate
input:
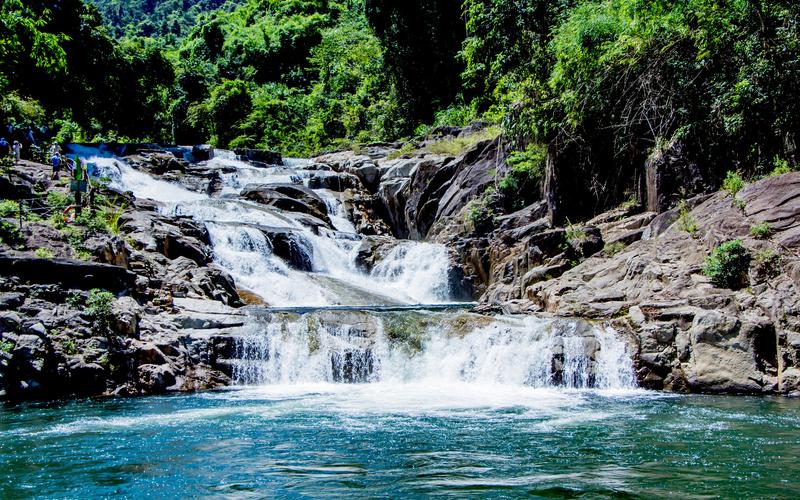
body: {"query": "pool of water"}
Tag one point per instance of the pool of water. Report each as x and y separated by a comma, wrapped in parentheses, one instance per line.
(403, 440)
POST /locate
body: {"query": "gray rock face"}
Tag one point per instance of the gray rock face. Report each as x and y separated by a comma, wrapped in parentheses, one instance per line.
(693, 336)
(289, 197)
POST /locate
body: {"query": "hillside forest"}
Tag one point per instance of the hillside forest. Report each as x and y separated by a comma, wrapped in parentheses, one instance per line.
(595, 88)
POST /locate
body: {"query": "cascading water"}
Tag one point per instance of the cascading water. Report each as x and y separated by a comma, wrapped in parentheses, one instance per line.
(364, 347)
(449, 348)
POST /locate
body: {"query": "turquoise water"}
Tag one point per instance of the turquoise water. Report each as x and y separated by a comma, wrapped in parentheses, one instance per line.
(405, 440)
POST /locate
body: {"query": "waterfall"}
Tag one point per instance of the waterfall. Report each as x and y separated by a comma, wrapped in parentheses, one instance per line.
(276, 255)
(409, 348)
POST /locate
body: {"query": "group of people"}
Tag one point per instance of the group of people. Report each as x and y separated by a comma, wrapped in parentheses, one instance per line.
(10, 149)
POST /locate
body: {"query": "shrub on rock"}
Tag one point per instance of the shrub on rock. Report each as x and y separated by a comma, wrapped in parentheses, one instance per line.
(728, 264)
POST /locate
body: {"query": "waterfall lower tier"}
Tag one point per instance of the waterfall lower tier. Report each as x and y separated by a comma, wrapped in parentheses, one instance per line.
(402, 347)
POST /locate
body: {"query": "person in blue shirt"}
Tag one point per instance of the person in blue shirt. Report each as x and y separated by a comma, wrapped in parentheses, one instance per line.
(56, 160)
(5, 147)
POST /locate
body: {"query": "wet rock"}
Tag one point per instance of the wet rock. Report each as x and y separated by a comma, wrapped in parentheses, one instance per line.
(155, 379)
(288, 197)
(293, 248)
(260, 155)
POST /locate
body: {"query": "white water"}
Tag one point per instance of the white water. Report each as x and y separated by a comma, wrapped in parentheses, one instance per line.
(505, 351)
(412, 273)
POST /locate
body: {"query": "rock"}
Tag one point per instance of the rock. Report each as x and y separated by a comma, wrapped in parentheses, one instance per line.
(202, 152)
(260, 155)
(293, 248)
(11, 300)
(288, 197)
(334, 181)
(672, 176)
(155, 379)
(776, 200)
(68, 274)
(369, 175)
(126, 313)
(471, 177)
(174, 244)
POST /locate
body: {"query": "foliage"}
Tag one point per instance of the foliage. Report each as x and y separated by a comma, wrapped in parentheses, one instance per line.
(575, 233)
(767, 264)
(405, 150)
(733, 183)
(480, 213)
(456, 146)
(58, 200)
(728, 264)
(6, 346)
(686, 221)
(44, 253)
(612, 249)
(521, 184)
(420, 39)
(9, 233)
(9, 208)
(68, 347)
(781, 166)
(74, 299)
(762, 230)
(99, 307)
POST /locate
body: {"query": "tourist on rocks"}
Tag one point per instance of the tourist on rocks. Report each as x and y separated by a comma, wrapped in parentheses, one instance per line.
(17, 148)
(56, 161)
(55, 149)
(5, 147)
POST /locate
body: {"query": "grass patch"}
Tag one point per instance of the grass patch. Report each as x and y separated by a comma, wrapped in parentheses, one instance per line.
(405, 150)
(9, 208)
(6, 346)
(612, 249)
(458, 145)
(686, 221)
(44, 253)
(762, 230)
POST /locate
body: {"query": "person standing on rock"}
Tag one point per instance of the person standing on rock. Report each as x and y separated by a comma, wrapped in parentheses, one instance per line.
(17, 148)
(56, 160)
(5, 147)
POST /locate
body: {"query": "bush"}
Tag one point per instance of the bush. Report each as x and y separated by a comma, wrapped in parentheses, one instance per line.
(9, 208)
(98, 307)
(728, 264)
(762, 230)
(733, 183)
(781, 167)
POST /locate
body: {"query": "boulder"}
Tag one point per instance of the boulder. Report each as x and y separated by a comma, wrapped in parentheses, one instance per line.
(335, 181)
(292, 247)
(288, 197)
(260, 155)
(155, 379)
